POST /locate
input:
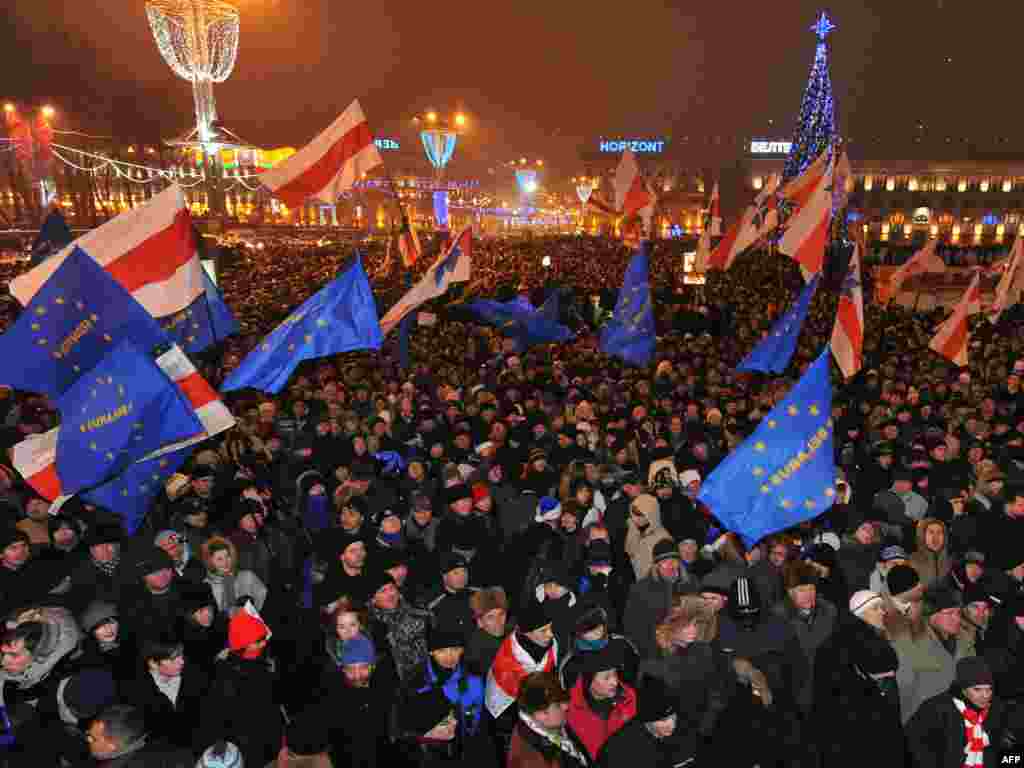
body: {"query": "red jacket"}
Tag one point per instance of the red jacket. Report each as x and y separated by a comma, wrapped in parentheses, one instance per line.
(592, 730)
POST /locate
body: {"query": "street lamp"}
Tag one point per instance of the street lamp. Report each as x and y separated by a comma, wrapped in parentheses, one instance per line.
(439, 140)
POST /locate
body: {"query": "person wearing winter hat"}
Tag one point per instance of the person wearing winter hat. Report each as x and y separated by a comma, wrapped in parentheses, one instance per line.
(204, 629)
(176, 545)
(152, 606)
(648, 738)
(600, 703)
(643, 532)
(248, 634)
(450, 606)
(346, 556)
(961, 726)
(977, 613)
(928, 659)
(904, 601)
(307, 743)
(542, 736)
(104, 643)
(490, 615)
(549, 511)
(592, 633)
(25, 579)
(888, 558)
(532, 647)
(404, 626)
(650, 597)
(118, 736)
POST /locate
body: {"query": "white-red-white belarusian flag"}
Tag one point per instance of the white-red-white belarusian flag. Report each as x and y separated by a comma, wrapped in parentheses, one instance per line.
(36, 458)
(807, 232)
(1008, 291)
(715, 213)
(757, 221)
(924, 261)
(951, 338)
(632, 195)
(150, 251)
(799, 189)
(703, 255)
(848, 332)
(329, 165)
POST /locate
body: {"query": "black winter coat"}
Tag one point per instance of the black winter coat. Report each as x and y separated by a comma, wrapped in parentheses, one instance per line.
(936, 736)
(243, 707)
(178, 723)
(633, 745)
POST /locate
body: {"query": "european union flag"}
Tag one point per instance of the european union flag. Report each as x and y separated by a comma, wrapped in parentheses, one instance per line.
(53, 236)
(70, 325)
(341, 317)
(773, 353)
(784, 473)
(132, 493)
(630, 334)
(520, 320)
(123, 409)
(205, 322)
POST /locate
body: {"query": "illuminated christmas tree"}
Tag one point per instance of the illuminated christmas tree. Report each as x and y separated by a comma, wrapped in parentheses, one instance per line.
(816, 128)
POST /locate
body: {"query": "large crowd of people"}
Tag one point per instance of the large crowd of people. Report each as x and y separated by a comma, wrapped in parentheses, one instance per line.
(499, 558)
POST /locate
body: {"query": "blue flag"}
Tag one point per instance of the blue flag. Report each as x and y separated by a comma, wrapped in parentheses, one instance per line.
(53, 236)
(340, 317)
(630, 334)
(122, 410)
(70, 325)
(205, 322)
(520, 320)
(773, 353)
(784, 473)
(132, 493)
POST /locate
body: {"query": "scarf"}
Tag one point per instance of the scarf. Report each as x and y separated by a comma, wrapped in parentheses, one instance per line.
(560, 740)
(976, 737)
(109, 568)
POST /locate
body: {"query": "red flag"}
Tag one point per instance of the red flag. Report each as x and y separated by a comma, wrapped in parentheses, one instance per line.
(329, 165)
(848, 331)
(631, 193)
(807, 232)
(408, 244)
(925, 260)
(951, 338)
(800, 189)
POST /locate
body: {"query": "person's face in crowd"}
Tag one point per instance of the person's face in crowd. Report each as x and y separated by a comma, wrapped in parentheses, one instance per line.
(946, 621)
(668, 568)
(980, 696)
(15, 554)
(885, 460)
(251, 523)
(874, 614)
(436, 451)
(975, 454)
(359, 446)
(380, 428)
(1015, 507)
(979, 612)
(103, 553)
(988, 408)
(903, 485)
(493, 622)
(38, 510)
(391, 525)
(1017, 572)
(299, 409)
(456, 579)
(865, 534)
(903, 417)
(542, 636)
(938, 452)
(173, 546)
(498, 432)
(935, 538)
(422, 516)
(605, 684)
(974, 571)
(686, 634)
(64, 536)
(448, 658)
(202, 487)
(347, 626)
(405, 408)
(700, 451)
(688, 551)
(386, 598)
(777, 555)
(997, 486)
(891, 432)
(170, 667)
(203, 616)
(713, 601)
(462, 507)
(351, 519)
(554, 591)
(222, 562)
(160, 580)
(358, 675)
(1013, 383)
(804, 597)
(552, 718)
(584, 496)
(416, 471)
(107, 631)
(101, 744)
(354, 556)
(622, 457)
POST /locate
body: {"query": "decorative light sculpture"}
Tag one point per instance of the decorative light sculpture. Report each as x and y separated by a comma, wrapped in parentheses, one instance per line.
(439, 144)
(199, 41)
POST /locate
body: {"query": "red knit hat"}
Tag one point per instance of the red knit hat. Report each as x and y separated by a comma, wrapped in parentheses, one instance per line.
(245, 628)
(480, 491)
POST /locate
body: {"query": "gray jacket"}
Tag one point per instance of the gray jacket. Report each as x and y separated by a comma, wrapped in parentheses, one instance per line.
(61, 637)
(811, 634)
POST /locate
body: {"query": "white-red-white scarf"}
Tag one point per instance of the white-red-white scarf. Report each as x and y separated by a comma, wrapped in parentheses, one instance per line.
(977, 738)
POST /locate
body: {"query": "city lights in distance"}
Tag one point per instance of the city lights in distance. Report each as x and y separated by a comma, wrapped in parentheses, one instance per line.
(460, 120)
(49, 112)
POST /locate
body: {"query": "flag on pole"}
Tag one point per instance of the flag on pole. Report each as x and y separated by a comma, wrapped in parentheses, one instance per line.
(340, 317)
(703, 255)
(807, 231)
(408, 244)
(848, 331)
(784, 473)
(149, 250)
(773, 353)
(206, 321)
(329, 165)
(630, 334)
(632, 195)
(952, 337)
(53, 236)
(454, 266)
(926, 260)
(521, 321)
(757, 220)
(801, 189)
(715, 213)
(1008, 290)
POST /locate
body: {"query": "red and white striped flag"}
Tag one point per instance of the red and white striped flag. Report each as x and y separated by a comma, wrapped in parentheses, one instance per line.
(848, 332)
(951, 338)
(757, 221)
(925, 260)
(329, 165)
(632, 195)
(715, 213)
(1008, 290)
(807, 232)
(36, 457)
(150, 251)
(800, 189)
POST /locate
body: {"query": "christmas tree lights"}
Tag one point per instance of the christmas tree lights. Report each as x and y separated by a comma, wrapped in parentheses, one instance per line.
(815, 129)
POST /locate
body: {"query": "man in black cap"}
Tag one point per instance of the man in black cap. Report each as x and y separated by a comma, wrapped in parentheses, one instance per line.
(152, 605)
(346, 570)
(450, 608)
(25, 579)
(101, 575)
(651, 598)
(650, 738)
(962, 726)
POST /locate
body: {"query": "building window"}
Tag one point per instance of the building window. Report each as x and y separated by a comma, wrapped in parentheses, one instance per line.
(984, 185)
(890, 184)
(1007, 185)
(869, 182)
(961, 185)
(940, 184)
(912, 184)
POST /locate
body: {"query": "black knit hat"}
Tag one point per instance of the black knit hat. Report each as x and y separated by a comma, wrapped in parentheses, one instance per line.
(940, 598)
(590, 617)
(377, 580)
(533, 616)
(449, 561)
(422, 712)
(902, 578)
(456, 493)
(654, 702)
(153, 560)
(9, 535)
(971, 671)
(445, 638)
(104, 534)
(195, 596)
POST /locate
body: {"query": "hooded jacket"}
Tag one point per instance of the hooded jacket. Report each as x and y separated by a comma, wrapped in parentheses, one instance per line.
(931, 567)
(61, 637)
(640, 544)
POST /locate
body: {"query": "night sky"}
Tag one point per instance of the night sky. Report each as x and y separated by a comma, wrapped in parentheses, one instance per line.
(542, 78)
